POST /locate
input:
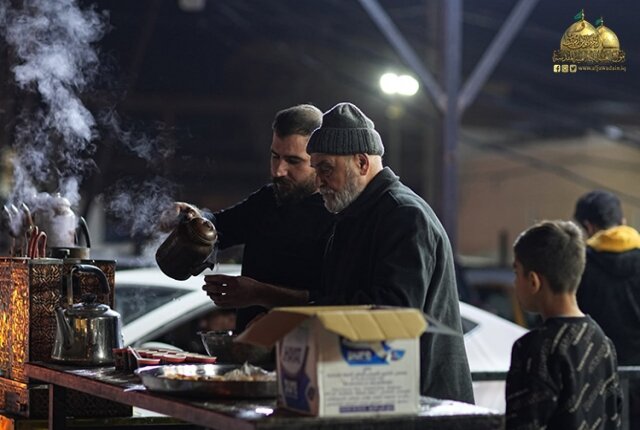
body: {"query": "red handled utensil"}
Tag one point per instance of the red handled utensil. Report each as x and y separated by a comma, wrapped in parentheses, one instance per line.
(37, 244)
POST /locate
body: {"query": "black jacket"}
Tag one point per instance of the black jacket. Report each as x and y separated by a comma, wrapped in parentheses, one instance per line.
(388, 248)
(283, 245)
(610, 289)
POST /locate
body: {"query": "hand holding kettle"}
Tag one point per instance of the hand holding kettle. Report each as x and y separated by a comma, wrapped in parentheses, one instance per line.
(171, 217)
(190, 248)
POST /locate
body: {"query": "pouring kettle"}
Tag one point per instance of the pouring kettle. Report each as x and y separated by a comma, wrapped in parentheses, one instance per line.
(86, 332)
(189, 248)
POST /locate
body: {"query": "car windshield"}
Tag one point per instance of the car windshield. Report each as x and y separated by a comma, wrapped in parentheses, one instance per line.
(133, 301)
(467, 325)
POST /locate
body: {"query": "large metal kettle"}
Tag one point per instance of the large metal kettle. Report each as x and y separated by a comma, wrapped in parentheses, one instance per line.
(64, 229)
(189, 249)
(86, 332)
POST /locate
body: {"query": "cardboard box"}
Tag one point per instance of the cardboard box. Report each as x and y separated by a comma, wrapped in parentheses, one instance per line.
(344, 360)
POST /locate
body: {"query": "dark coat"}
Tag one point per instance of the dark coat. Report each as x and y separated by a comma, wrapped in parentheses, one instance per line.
(388, 248)
(610, 293)
(283, 244)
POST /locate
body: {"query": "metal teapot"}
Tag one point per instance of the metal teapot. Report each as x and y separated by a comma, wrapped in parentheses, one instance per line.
(86, 332)
(64, 229)
(189, 249)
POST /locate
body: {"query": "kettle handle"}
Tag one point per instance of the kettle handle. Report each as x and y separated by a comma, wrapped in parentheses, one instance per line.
(82, 224)
(94, 270)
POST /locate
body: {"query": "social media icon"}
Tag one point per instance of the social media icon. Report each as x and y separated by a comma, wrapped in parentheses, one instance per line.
(565, 68)
(556, 68)
(573, 68)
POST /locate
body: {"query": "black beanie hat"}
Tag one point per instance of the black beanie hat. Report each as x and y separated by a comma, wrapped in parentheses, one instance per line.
(345, 130)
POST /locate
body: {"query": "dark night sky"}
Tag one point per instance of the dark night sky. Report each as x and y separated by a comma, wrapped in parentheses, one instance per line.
(209, 82)
(246, 59)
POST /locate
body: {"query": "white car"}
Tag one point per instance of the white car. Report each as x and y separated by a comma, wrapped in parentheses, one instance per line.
(152, 305)
(156, 308)
(488, 339)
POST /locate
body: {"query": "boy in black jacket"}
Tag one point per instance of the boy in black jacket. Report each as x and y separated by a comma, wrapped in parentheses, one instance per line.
(563, 374)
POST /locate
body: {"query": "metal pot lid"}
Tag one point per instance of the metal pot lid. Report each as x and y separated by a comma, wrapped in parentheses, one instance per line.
(202, 229)
(88, 309)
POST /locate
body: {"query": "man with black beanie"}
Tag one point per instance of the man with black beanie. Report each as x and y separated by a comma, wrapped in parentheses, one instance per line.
(388, 247)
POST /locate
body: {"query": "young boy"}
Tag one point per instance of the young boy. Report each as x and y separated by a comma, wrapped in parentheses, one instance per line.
(563, 374)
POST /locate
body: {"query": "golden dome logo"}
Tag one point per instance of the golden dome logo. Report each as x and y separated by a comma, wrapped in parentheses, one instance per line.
(582, 43)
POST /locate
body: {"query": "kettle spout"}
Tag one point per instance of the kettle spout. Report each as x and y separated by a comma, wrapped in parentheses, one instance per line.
(65, 333)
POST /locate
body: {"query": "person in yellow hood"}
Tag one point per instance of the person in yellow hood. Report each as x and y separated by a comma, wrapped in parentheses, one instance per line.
(610, 287)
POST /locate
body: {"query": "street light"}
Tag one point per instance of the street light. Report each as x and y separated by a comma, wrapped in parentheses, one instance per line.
(402, 85)
(405, 85)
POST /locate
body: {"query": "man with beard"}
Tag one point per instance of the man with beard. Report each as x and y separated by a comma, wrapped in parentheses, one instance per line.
(283, 227)
(387, 247)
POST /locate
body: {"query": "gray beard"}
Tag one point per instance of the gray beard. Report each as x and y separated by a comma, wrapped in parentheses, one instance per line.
(337, 201)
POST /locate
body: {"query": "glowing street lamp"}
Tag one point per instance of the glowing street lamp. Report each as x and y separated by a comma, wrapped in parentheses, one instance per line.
(404, 85)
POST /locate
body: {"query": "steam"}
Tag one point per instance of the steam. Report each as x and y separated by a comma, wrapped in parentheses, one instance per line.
(152, 150)
(141, 203)
(52, 41)
(53, 44)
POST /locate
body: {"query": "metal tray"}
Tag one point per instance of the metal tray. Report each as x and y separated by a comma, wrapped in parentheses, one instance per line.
(154, 380)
